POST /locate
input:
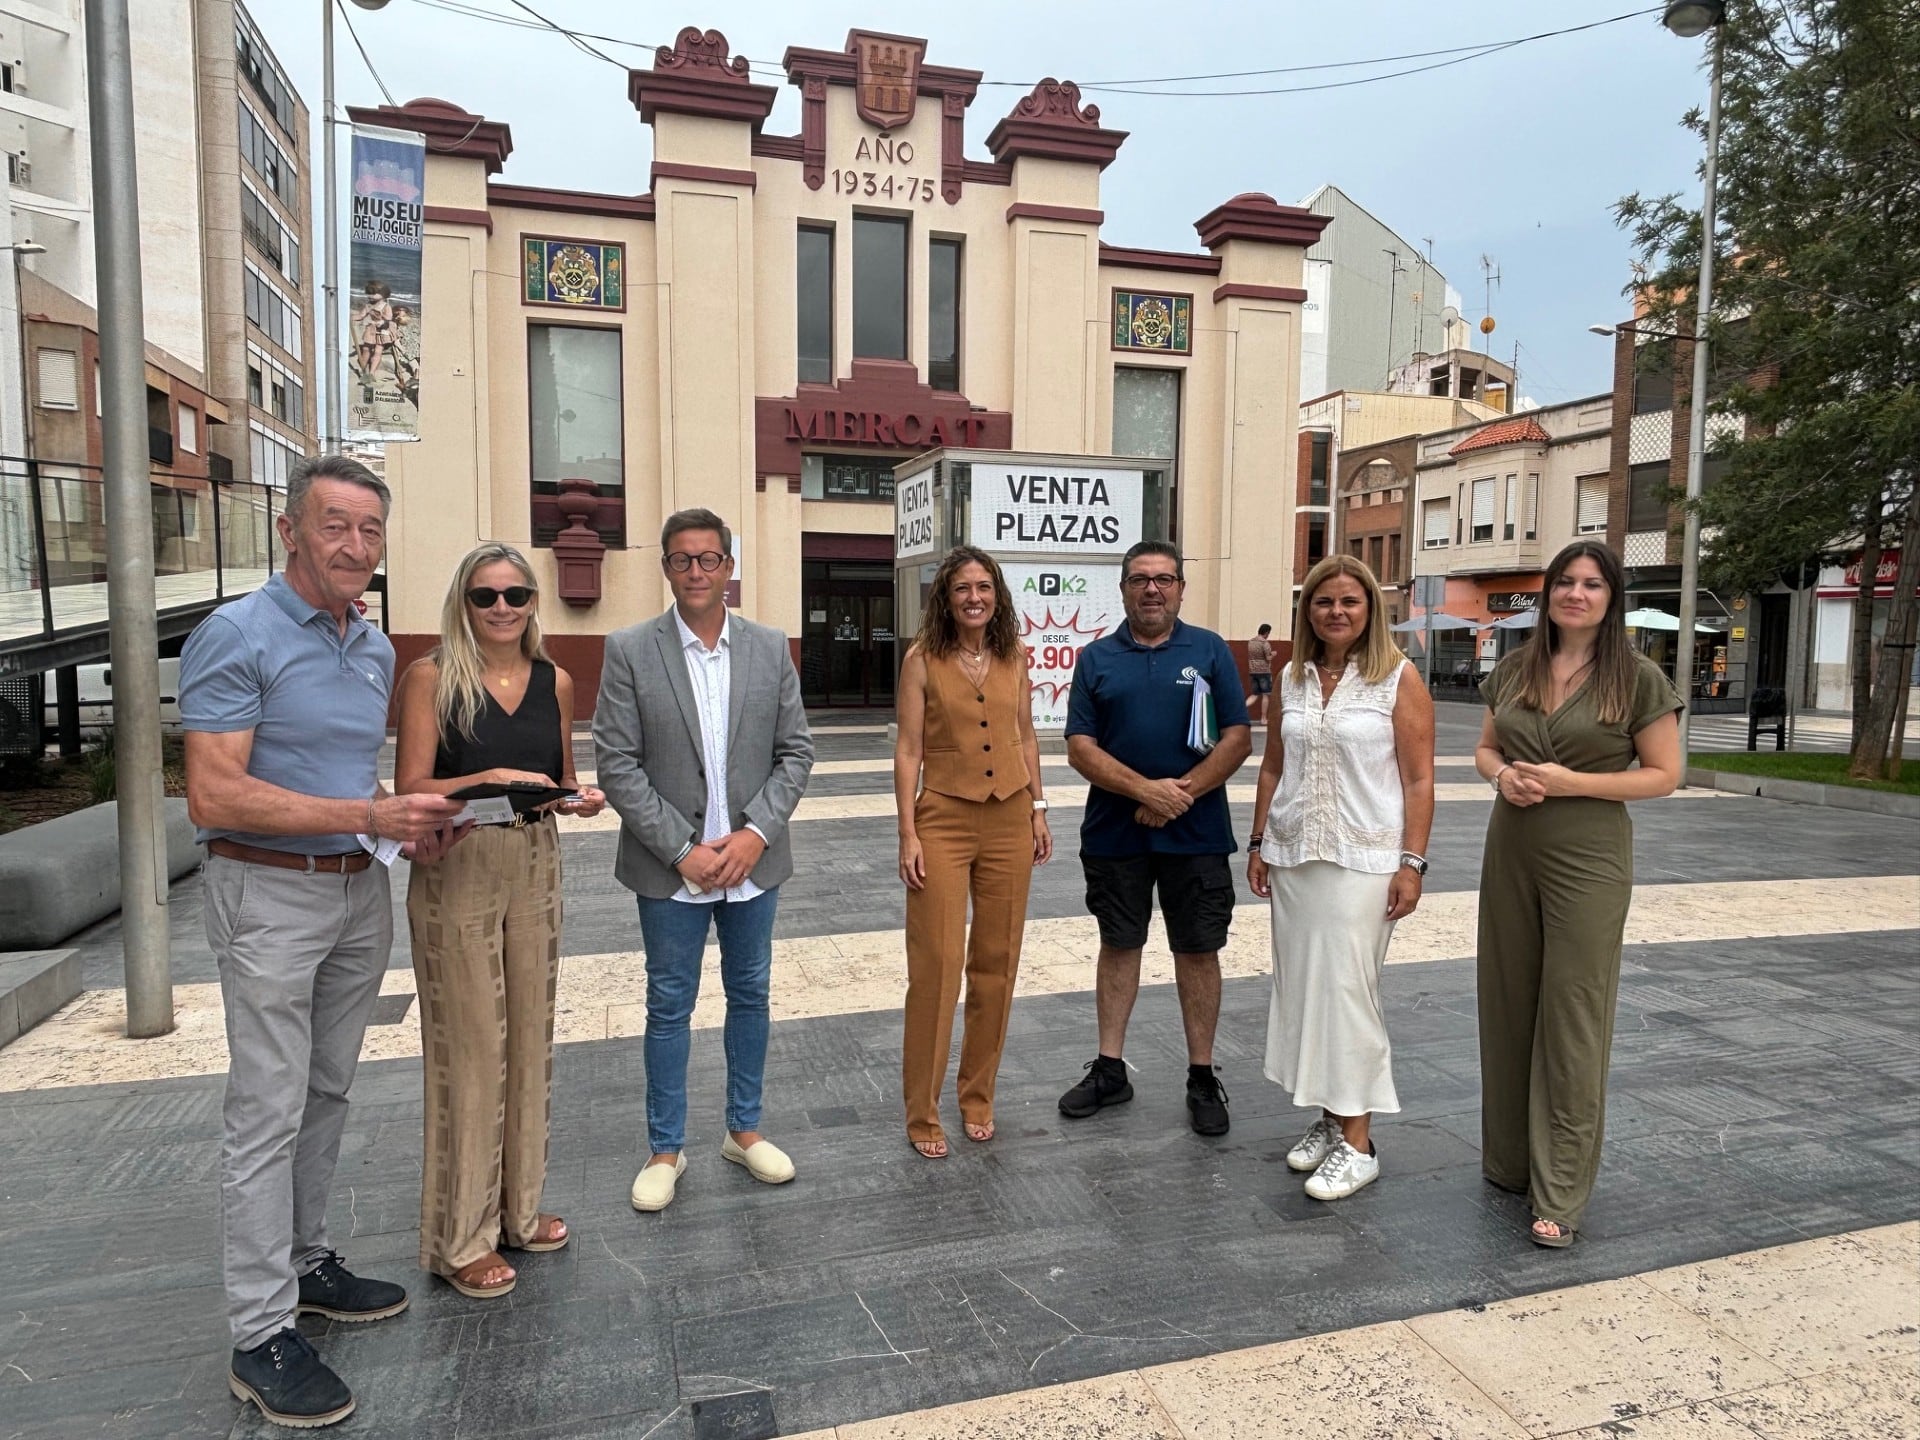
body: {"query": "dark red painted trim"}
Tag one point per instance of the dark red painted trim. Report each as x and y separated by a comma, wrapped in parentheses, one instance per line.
(1021, 209)
(446, 128)
(572, 202)
(454, 215)
(713, 174)
(825, 545)
(1160, 260)
(876, 388)
(986, 172)
(1259, 292)
(697, 77)
(777, 147)
(1253, 216)
(1051, 123)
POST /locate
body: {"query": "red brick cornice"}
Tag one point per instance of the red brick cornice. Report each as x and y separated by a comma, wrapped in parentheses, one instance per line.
(1022, 209)
(712, 174)
(1259, 292)
(453, 215)
(1160, 260)
(1254, 216)
(696, 77)
(1051, 123)
(447, 129)
(571, 202)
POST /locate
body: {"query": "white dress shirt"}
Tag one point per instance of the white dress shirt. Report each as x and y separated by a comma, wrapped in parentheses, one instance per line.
(710, 673)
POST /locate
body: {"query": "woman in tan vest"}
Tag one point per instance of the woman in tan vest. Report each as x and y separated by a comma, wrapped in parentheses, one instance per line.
(977, 827)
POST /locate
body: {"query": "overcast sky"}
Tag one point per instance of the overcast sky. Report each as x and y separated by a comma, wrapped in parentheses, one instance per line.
(1518, 155)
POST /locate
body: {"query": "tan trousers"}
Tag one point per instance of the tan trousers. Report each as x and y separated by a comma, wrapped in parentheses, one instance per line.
(486, 957)
(982, 850)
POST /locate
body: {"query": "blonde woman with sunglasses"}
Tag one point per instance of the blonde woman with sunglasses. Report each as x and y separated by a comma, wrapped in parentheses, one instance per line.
(488, 706)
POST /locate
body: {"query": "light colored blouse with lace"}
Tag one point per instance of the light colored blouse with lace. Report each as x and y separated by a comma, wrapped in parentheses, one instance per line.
(1339, 798)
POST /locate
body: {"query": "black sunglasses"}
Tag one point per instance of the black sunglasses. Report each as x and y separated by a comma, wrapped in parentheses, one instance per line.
(484, 597)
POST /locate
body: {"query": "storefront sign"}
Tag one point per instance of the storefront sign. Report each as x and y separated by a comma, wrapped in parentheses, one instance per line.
(894, 429)
(913, 516)
(581, 274)
(388, 169)
(1161, 323)
(1063, 609)
(1513, 600)
(1084, 511)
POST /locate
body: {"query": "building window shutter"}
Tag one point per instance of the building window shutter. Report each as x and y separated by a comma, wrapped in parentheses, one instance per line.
(1510, 513)
(1482, 509)
(1533, 506)
(1434, 519)
(1592, 515)
(59, 379)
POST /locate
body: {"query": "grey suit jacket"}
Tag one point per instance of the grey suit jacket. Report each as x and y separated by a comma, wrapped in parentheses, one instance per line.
(652, 765)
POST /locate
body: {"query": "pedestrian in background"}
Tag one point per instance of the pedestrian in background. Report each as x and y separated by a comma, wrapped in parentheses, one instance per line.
(1568, 716)
(488, 706)
(704, 750)
(1346, 789)
(973, 825)
(1260, 670)
(1142, 730)
(283, 696)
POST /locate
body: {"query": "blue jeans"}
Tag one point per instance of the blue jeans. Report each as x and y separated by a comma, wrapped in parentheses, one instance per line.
(675, 934)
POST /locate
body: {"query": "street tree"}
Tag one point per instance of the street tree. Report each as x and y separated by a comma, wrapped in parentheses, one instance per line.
(1816, 326)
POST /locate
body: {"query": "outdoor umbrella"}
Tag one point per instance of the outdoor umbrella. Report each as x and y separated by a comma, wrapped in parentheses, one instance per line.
(1661, 620)
(1432, 620)
(1519, 620)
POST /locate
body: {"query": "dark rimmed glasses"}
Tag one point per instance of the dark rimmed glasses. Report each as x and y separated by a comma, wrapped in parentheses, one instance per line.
(485, 597)
(680, 562)
(1159, 582)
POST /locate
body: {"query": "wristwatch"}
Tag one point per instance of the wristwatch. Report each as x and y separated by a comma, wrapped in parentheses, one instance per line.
(1040, 804)
(1413, 862)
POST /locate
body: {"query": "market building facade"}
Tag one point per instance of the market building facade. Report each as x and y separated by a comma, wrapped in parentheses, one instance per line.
(782, 319)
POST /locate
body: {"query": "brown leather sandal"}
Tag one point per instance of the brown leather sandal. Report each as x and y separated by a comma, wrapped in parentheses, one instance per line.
(934, 1149)
(467, 1278)
(544, 1237)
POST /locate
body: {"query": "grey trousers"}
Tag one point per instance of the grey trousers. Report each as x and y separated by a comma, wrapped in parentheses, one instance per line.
(300, 960)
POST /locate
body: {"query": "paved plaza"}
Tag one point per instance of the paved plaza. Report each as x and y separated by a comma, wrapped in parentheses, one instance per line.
(1747, 1268)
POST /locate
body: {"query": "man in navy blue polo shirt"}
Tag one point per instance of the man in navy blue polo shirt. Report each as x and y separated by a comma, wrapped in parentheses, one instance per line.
(1156, 816)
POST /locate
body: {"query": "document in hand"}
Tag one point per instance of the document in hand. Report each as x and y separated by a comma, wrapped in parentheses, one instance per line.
(498, 804)
(1203, 730)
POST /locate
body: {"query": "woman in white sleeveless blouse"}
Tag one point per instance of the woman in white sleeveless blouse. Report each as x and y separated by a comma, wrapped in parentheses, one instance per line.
(1346, 786)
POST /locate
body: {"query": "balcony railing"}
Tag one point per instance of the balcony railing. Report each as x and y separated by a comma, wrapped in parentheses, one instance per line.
(211, 542)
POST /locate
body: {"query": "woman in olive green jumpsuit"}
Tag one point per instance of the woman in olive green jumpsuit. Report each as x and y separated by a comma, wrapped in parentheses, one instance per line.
(1568, 714)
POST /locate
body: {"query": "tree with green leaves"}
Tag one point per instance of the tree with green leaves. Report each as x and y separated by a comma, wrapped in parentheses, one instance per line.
(1816, 322)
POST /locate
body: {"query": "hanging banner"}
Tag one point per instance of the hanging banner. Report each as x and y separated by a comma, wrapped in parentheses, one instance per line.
(1064, 608)
(1057, 508)
(389, 186)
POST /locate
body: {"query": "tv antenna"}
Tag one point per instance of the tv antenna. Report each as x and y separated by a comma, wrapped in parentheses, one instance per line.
(1490, 274)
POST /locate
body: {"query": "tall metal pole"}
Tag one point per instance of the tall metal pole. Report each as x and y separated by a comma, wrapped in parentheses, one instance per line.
(1697, 418)
(130, 602)
(328, 181)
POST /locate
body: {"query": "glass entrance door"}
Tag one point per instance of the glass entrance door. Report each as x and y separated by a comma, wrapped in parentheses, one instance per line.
(847, 641)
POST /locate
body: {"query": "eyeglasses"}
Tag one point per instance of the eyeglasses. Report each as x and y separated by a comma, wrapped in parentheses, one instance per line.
(680, 562)
(1158, 582)
(485, 597)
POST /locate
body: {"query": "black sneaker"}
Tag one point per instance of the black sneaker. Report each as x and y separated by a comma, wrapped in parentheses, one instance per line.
(1207, 1102)
(1105, 1084)
(332, 1290)
(290, 1383)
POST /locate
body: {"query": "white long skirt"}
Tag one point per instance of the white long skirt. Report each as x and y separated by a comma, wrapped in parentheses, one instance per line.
(1326, 1035)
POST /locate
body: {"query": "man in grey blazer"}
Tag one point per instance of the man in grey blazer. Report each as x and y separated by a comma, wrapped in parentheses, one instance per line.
(704, 751)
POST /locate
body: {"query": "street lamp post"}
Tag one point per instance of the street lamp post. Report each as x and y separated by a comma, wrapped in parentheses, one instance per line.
(330, 202)
(1688, 19)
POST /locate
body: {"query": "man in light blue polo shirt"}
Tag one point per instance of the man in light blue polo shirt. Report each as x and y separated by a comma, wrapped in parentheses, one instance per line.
(283, 695)
(1156, 816)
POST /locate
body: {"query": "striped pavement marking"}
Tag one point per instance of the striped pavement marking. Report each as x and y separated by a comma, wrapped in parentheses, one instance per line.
(602, 997)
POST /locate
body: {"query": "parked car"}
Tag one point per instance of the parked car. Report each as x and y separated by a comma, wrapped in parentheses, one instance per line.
(96, 697)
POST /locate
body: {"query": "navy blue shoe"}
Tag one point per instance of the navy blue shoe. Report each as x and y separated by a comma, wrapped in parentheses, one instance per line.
(290, 1383)
(332, 1290)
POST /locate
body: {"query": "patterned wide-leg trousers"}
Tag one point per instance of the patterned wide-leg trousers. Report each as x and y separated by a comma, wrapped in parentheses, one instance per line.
(486, 955)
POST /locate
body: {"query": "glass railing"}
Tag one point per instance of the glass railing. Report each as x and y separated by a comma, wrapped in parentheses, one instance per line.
(212, 540)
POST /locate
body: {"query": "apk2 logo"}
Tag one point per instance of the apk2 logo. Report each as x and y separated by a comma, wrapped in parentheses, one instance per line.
(1050, 583)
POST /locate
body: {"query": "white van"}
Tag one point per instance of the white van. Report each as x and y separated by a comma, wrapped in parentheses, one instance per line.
(96, 697)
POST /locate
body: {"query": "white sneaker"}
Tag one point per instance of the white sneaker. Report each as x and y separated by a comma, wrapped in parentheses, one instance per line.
(1315, 1145)
(653, 1186)
(1343, 1172)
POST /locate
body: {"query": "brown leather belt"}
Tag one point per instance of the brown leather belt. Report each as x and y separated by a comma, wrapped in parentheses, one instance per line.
(351, 863)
